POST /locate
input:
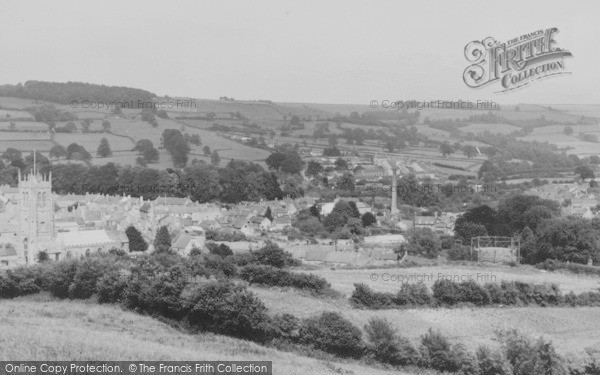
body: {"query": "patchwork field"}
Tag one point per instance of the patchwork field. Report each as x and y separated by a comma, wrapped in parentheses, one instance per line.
(555, 135)
(91, 141)
(39, 328)
(492, 128)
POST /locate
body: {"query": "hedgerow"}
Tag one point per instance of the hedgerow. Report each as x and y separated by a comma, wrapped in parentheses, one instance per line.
(272, 276)
(449, 293)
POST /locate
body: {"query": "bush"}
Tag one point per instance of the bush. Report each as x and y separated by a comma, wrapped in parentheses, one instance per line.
(364, 296)
(220, 250)
(332, 333)
(111, 286)
(219, 267)
(22, 281)
(474, 293)
(87, 274)
(527, 356)
(387, 346)
(287, 326)
(492, 363)
(272, 276)
(413, 295)
(226, 308)
(60, 277)
(446, 292)
(272, 255)
(156, 289)
(438, 353)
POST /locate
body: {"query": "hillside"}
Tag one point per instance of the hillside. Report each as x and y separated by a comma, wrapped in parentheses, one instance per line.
(41, 328)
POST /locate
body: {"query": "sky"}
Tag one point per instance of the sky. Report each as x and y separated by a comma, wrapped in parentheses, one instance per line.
(306, 51)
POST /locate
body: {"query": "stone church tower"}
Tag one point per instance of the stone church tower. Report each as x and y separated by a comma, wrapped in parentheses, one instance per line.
(36, 215)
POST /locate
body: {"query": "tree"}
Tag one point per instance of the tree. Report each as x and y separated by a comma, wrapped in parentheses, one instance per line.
(423, 241)
(466, 230)
(387, 345)
(77, 152)
(162, 241)
(136, 240)
(141, 161)
(215, 159)
(568, 239)
(584, 172)
(332, 151)
(313, 169)
(43, 257)
(292, 163)
(368, 219)
(275, 160)
(11, 155)
(146, 148)
(104, 148)
(346, 182)
(206, 151)
(446, 149)
(332, 140)
(85, 125)
(268, 214)
(57, 151)
(568, 130)
(341, 164)
(469, 151)
(106, 126)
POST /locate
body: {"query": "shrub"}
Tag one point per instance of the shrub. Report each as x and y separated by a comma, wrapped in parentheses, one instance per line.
(218, 266)
(22, 281)
(87, 274)
(272, 255)
(287, 326)
(492, 363)
(474, 293)
(364, 296)
(8, 288)
(111, 286)
(156, 289)
(529, 357)
(387, 346)
(438, 353)
(268, 275)
(446, 292)
(226, 308)
(413, 295)
(332, 333)
(220, 250)
(60, 276)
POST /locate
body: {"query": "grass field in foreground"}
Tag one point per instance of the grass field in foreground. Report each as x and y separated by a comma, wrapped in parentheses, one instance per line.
(40, 328)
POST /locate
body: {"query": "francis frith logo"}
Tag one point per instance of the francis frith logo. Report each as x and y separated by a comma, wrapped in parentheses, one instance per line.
(515, 63)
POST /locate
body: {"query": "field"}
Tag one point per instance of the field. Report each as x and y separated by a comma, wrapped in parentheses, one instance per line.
(40, 328)
(554, 134)
(92, 140)
(492, 128)
(571, 329)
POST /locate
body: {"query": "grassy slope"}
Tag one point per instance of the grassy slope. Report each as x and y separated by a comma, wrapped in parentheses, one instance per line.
(571, 329)
(40, 328)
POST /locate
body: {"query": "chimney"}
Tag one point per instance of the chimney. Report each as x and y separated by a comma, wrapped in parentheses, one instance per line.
(394, 193)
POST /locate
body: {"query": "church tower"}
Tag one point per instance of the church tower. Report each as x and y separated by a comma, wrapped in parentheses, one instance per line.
(36, 214)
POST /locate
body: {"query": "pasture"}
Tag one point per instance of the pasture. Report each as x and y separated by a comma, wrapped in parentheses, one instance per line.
(39, 327)
(571, 329)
